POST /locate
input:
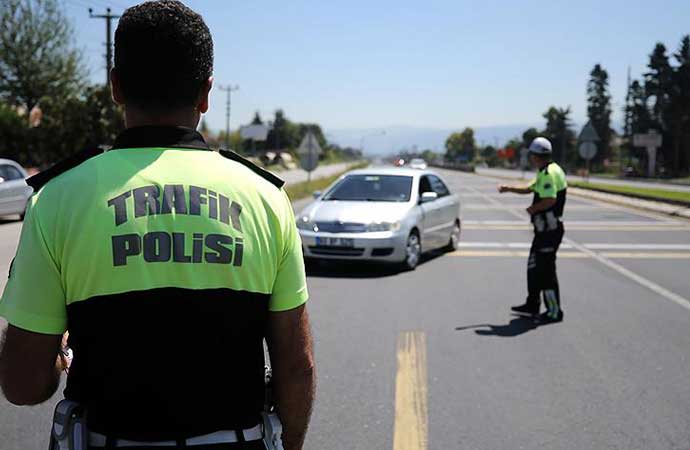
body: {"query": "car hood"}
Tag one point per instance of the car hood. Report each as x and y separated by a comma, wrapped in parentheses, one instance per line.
(355, 212)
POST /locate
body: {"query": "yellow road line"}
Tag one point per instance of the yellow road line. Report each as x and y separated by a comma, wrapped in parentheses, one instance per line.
(410, 430)
(565, 254)
(578, 228)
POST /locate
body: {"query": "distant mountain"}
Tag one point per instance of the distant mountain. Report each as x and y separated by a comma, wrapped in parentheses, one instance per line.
(398, 138)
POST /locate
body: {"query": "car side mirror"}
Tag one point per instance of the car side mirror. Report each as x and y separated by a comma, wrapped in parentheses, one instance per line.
(317, 194)
(428, 197)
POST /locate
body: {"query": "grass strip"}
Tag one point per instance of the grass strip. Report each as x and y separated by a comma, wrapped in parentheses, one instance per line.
(304, 189)
(676, 197)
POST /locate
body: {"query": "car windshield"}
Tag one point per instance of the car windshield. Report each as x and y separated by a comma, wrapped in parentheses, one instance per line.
(372, 188)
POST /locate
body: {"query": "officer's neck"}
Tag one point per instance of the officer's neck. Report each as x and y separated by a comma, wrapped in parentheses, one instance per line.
(136, 117)
(544, 163)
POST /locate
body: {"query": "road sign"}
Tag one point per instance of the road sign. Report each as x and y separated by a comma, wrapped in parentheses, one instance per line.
(587, 150)
(651, 141)
(588, 133)
(309, 151)
(588, 147)
(254, 132)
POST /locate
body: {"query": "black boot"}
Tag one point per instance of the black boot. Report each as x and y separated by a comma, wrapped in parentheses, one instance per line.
(528, 308)
(550, 317)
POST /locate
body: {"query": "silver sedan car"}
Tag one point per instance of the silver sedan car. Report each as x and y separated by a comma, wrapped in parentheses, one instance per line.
(14, 192)
(381, 214)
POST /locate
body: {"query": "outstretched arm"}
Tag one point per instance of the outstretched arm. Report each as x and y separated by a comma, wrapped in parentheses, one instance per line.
(515, 189)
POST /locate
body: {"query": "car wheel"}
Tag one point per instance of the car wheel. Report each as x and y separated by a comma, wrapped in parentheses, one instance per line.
(454, 240)
(413, 251)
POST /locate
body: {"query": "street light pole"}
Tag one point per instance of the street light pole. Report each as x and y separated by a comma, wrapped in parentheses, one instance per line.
(228, 89)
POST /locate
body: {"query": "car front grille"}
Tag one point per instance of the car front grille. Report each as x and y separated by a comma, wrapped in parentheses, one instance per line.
(336, 251)
(384, 251)
(341, 227)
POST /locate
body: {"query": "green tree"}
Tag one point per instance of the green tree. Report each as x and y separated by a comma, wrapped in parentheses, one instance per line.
(37, 57)
(659, 88)
(679, 110)
(637, 110)
(284, 134)
(558, 130)
(72, 124)
(461, 146)
(429, 155)
(528, 136)
(599, 109)
(14, 133)
(658, 84)
(257, 119)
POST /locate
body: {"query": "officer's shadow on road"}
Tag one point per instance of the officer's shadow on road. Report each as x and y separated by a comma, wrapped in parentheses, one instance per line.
(359, 269)
(349, 269)
(518, 325)
(4, 220)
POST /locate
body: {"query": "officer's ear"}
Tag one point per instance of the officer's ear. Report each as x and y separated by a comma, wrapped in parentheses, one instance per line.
(202, 105)
(116, 88)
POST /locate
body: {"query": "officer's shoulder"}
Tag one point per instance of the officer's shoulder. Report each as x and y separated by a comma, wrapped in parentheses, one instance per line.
(63, 166)
(263, 173)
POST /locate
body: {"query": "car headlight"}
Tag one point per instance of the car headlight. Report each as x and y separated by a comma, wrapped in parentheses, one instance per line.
(303, 223)
(383, 226)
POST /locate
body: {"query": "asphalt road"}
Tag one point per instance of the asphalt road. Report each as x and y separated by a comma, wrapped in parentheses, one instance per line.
(433, 358)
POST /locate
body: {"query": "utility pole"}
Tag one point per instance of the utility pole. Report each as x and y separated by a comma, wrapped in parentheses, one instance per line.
(628, 128)
(108, 17)
(228, 89)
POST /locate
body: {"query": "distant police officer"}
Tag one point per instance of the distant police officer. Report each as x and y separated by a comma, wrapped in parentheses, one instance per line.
(549, 189)
(168, 262)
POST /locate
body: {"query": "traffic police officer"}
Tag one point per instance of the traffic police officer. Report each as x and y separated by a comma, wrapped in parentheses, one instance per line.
(549, 189)
(168, 262)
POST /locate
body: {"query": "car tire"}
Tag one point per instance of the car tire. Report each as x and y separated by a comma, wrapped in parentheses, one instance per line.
(454, 240)
(413, 251)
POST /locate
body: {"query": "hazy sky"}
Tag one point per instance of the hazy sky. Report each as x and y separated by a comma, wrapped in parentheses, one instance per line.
(443, 64)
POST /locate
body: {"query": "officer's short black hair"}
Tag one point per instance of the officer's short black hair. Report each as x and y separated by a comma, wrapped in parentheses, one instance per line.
(163, 55)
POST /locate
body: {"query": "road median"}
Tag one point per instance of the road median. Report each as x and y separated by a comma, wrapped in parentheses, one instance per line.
(656, 195)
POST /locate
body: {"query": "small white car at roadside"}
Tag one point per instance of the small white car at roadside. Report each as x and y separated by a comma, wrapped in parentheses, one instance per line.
(14, 192)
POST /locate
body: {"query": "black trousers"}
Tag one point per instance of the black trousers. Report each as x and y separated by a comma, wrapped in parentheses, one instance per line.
(541, 270)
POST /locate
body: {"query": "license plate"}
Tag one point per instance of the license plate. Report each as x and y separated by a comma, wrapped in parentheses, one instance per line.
(335, 242)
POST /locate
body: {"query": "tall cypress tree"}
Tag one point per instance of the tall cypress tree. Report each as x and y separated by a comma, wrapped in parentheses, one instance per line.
(679, 109)
(659, 88)
(558, 131)
(599, 109)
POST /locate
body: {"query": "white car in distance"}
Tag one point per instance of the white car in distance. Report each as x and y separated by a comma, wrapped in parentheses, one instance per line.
(14, 192)
(388, 215)
(418, 163)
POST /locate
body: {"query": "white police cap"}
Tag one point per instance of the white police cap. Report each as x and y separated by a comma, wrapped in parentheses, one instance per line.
(540, 146)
